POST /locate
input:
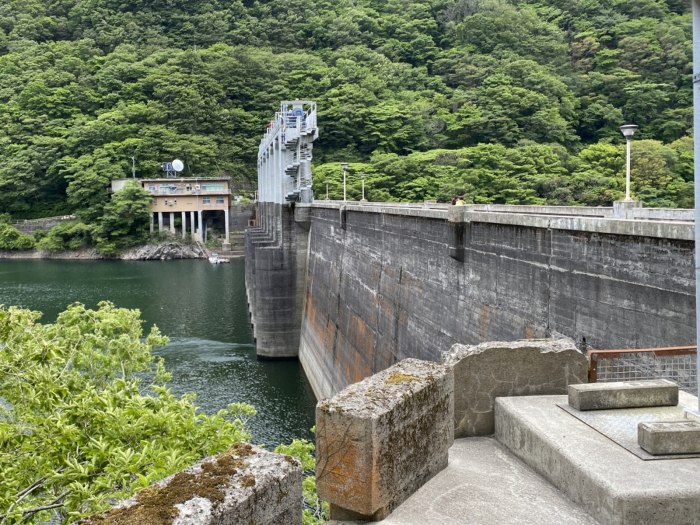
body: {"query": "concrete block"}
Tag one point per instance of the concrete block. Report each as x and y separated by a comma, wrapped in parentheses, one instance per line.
(623, 394)
(490, 370)
(614, 486)
(246, 484)
(670, 437)
(381, 439)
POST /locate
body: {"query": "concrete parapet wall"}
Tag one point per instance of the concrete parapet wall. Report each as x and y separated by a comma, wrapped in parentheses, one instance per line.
(503, 369)
(389, 282)
(381, 439)
(246, 484)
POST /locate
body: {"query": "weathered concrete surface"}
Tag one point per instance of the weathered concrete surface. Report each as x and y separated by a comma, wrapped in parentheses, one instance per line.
(485, 484)
(240, 215)
(623, 394)
(614, 486)
(33, 225)
(672, 437)
(381, 439)
(275, 277)
(519, 368)
(246, 484)
(382, 284)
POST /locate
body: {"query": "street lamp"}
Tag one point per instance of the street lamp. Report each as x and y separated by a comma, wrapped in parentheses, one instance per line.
(628, 130)
(133, 167)
(344, 165)
(362, 176)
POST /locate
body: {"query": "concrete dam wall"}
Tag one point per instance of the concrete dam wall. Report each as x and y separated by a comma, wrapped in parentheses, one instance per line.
(274, 275)
(385, 283)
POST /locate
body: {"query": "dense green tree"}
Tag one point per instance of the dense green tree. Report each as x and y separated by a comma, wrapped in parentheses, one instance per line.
(67, 236)
(86, 417)
(86, 84)
(13, 239)
(126, 219)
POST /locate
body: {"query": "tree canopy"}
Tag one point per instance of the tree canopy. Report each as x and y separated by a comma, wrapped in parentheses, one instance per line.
(86, 417)
(87, 84)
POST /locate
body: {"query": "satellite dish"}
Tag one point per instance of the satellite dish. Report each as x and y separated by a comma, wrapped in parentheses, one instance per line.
(178, 165)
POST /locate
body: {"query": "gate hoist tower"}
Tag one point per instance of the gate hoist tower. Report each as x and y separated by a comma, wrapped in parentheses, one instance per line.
(284, 156)
(276, 245)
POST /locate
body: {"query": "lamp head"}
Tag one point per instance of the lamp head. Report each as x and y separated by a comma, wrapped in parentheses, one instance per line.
(344, 165)
(628, 130)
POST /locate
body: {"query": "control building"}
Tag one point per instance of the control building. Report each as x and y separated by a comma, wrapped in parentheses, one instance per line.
(182, 205)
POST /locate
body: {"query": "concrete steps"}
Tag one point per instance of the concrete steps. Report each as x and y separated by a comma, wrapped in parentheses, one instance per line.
(237, 249)
(611, 483)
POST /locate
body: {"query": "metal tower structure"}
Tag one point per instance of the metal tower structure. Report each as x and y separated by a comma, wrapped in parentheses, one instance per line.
(285, 153)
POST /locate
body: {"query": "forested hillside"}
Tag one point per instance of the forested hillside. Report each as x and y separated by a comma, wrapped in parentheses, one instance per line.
(504, 100)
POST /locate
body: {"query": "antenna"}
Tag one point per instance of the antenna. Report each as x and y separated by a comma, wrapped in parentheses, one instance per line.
(171, 168)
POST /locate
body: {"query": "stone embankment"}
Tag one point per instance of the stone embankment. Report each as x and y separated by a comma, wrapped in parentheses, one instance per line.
(149, 252)
(163, 252)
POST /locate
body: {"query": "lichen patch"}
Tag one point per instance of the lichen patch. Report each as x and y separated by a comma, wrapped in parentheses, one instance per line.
(396, 378)
(156, 505)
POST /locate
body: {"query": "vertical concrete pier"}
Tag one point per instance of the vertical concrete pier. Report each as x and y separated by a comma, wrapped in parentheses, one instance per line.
(276, 246)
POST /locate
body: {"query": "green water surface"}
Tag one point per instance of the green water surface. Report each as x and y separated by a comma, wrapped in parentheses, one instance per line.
(202, 308)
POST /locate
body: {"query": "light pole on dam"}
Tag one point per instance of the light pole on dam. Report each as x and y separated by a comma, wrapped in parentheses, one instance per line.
(696, 150)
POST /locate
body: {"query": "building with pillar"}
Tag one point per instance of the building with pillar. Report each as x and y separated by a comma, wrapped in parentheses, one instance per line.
(185, 206)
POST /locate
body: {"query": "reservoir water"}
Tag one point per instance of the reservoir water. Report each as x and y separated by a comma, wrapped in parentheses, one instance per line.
(202, 308)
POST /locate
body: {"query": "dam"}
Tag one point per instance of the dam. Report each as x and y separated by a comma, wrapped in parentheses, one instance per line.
(353, 288)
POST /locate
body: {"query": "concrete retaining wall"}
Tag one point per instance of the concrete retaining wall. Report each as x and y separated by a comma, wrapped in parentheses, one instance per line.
(33, 225)
(386, 283)
(240, 215)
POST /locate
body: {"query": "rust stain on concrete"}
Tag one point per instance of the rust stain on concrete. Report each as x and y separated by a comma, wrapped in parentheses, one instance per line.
(484, 321)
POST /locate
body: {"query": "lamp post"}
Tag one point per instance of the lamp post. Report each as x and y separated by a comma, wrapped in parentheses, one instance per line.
(344, 165)
(133, 167)
(326, 190)
(362, 176)
(628, 130)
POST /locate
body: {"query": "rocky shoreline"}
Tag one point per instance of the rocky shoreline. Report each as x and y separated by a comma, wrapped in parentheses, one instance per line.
(149, 252)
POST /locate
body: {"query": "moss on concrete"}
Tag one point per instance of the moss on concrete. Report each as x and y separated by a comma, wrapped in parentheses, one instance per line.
(156, 505)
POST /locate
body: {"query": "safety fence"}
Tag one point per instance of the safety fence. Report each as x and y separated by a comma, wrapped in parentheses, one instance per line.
(675, 363)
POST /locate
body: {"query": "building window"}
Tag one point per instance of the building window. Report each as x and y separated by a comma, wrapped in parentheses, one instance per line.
(219, 200)
(206, 200)
(152, 189)
(213, 186)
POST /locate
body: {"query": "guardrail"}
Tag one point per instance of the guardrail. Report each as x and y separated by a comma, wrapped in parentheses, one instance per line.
(44, 219)
(677, 363)
(600, 212)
